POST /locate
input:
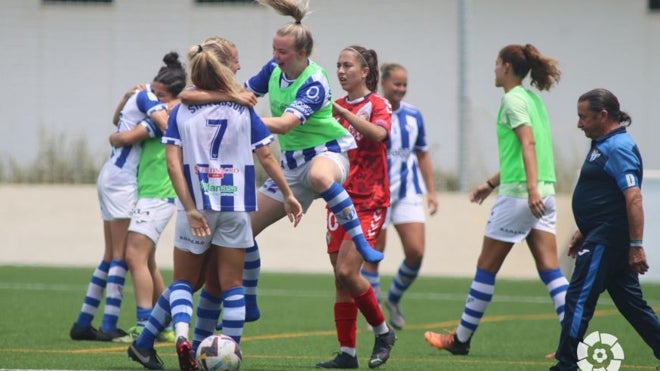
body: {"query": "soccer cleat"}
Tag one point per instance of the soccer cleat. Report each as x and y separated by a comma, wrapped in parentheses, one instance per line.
(396, 317)
(110, 335)
(166, 336)
(382, 348)
(130, 336)
(186, 355)
(342, 360)
(83, 332)
(147, 357)
(448, 342)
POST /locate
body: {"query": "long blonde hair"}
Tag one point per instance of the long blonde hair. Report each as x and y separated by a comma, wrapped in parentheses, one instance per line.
(297, 9)
(209, 65)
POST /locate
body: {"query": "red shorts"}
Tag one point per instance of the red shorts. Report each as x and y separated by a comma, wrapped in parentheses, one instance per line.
(371, 222)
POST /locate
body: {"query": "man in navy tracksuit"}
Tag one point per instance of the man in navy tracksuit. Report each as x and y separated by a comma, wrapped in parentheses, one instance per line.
(608, 247)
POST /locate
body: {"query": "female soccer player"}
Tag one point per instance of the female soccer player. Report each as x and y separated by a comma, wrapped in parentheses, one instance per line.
(409, 164)
(117, 190)
(209, 159)
(154, 209)
(210, 299)
(368, 117)
(314, 147)
(525, 205)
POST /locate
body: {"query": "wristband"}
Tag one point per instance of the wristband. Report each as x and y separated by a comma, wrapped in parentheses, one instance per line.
(636, 243)
(491, 185)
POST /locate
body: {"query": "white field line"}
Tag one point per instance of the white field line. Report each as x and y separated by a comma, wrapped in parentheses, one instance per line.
(434, 296)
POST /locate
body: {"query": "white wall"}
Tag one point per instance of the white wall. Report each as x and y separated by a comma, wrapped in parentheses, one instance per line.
(67, 231)
(65, 67)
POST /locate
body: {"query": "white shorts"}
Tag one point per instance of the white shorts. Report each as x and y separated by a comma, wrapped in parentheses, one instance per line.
(409, 209)
(117, 194)
(511, 220)
(298, 180)
(150, 217)
(228, 229)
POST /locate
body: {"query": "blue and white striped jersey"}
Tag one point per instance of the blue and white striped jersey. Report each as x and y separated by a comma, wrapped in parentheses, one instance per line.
(137, 108)
(406, 138)
(217, 141)
(313, 94)
(121, 167)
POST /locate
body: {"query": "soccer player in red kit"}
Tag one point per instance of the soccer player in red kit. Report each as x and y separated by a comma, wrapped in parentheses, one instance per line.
(368, 118)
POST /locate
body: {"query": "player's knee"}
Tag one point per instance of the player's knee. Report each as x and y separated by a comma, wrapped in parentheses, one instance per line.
(320, 182)
(343, 277)
(414, 256)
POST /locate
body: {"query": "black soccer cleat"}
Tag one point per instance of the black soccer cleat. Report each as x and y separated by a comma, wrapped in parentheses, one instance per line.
(110, 335)
(147, 357)
(382, 348)
(83, 332)
(342, 360)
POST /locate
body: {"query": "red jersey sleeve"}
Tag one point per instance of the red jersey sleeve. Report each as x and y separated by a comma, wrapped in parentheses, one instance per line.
(367, 182)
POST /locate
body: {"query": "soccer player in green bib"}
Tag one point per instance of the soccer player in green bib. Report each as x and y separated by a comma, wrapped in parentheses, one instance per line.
(525, 205)
(312, 142)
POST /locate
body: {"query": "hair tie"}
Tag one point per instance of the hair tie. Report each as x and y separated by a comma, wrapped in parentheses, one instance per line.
(298, 22)
(199, 48)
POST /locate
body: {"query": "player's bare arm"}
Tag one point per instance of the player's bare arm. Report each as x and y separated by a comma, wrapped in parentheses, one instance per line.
(425, 167)
(483, 190)
(367, 128)
(194, 95)
(198, 224)
(528, 148)
(283, 124)
(130, 137)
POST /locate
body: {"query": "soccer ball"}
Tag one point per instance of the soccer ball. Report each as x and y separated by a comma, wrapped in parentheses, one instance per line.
(219, 353)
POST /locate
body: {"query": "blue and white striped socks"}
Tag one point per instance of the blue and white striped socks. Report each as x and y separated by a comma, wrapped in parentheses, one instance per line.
(342, 207)
(404, 277)
(233, 313)
(114, 294)
(557, 286)
(181, 303)
(208, 311)
(94, 294)
(478, 299)
(251, 271)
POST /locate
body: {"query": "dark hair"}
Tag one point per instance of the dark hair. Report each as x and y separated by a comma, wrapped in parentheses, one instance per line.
(603, 99)
(545, 73)
(368, 58)
(297, 10)
(172, 75)
(386, 69)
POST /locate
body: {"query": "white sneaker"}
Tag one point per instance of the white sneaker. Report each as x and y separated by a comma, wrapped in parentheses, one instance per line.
(396, 317)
